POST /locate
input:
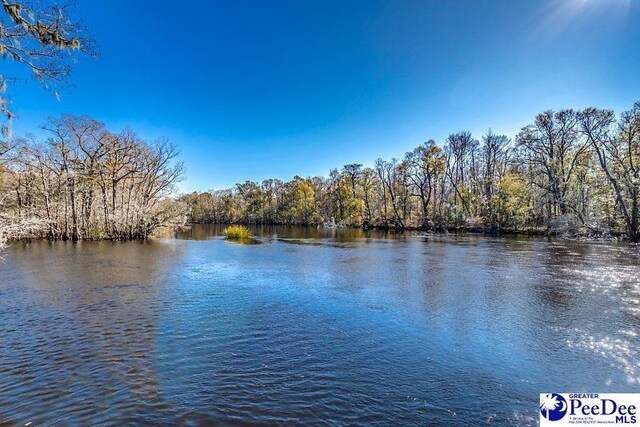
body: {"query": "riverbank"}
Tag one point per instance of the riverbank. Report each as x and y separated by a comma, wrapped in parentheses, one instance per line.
(488, 231)
(311, 231)
(170, 232)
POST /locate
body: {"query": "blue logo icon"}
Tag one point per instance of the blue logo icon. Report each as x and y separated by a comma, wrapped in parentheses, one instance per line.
(553, 407)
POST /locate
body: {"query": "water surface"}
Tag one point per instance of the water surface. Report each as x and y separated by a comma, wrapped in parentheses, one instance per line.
(310, 326)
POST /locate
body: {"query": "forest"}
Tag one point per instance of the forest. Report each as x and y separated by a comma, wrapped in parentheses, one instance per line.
(574, 172)
(569, 172)
(84, 182)
(78, 180)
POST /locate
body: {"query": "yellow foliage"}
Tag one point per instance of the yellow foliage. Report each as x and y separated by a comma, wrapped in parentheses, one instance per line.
(510, 205)
(236, 232)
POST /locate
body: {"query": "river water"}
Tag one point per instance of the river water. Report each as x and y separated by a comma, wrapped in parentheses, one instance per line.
(307, 326)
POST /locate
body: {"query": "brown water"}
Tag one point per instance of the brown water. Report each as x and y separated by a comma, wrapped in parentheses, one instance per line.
(310, 326)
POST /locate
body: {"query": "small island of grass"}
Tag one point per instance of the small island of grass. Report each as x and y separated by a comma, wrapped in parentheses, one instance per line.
(237, 232)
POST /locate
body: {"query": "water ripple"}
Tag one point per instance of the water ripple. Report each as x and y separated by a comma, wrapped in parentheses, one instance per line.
(305, 329)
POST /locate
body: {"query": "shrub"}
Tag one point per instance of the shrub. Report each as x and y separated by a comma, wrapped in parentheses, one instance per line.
(236, 232)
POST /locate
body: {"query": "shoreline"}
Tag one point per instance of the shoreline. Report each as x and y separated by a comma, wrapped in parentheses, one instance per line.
(171, 232)
(486, 231)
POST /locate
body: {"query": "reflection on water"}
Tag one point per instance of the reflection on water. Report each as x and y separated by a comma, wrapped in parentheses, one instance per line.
(79, 325)
(292, 233)
(313, 325)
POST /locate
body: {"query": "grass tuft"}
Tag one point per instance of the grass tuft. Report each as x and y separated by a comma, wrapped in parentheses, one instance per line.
(236, 232)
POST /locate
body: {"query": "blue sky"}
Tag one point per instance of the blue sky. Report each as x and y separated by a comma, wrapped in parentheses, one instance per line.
(259, 89)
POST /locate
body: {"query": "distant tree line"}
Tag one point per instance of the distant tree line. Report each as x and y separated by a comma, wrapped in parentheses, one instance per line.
(567, 172)
(84, 182)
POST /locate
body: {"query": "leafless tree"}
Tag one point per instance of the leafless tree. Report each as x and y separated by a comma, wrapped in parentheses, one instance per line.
(617, 147)
(554, 150)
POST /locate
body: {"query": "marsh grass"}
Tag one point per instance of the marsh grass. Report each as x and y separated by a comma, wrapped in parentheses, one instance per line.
(236, 232)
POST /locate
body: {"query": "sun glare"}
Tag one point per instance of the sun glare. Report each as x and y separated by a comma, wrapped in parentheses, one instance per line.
(558, 15)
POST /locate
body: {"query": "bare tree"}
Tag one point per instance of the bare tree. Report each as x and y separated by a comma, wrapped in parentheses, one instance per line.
(460, 148)
(553, 148)
(369, 186)
(40, 38)
(388, 174)
(495, 162)
(617, 147)
(425, 164)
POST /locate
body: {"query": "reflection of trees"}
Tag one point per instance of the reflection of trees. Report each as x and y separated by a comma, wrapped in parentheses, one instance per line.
(92, 316)
(340, 235)
(202, 231)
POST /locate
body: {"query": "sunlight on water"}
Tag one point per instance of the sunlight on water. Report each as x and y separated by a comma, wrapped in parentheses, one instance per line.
(619, 353)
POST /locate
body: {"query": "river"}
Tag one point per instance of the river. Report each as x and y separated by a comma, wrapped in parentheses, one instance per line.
(307, 326)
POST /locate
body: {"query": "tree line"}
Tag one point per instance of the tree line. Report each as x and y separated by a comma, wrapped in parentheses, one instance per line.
(569, 171)
(84, 182)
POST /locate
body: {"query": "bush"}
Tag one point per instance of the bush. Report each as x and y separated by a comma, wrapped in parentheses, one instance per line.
(236, 232)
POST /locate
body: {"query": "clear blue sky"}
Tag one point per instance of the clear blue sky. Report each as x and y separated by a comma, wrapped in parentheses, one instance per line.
(258, 89)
